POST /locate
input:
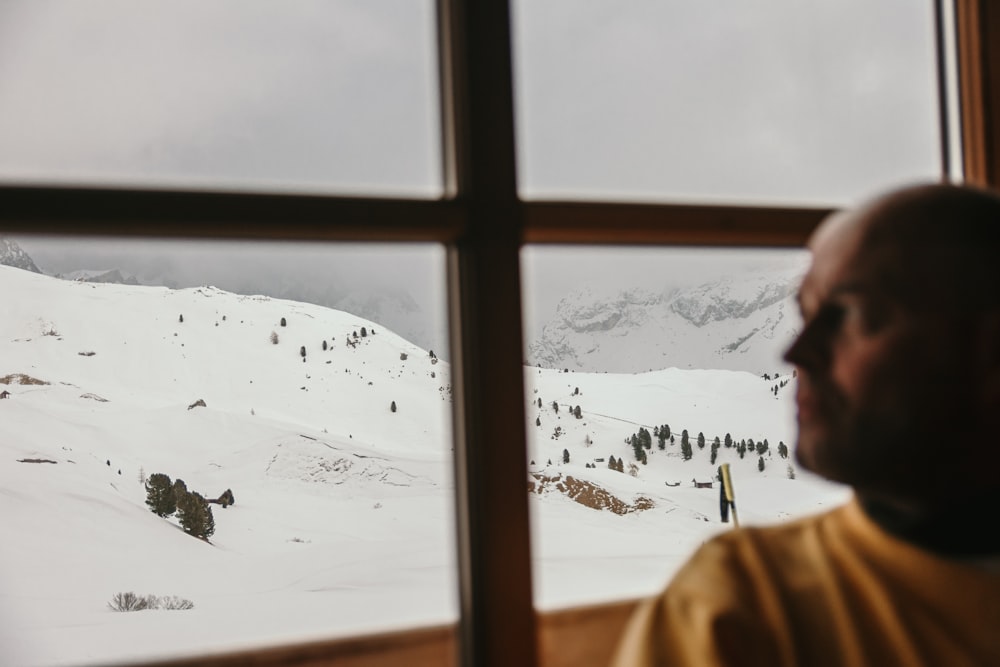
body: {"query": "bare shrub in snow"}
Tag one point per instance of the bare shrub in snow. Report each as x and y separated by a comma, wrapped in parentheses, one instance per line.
(173, 602)
(131, 602)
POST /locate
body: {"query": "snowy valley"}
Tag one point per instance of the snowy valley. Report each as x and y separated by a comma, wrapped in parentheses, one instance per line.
(334, 435)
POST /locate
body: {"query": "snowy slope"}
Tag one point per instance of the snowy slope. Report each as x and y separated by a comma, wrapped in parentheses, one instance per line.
(342, 521)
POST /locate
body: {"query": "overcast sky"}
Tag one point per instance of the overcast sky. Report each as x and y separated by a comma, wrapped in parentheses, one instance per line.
(818, 102)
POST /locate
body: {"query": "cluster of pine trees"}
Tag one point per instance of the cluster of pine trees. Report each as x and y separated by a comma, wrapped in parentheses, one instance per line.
(165, 497)
(640, 442)
(643, 441)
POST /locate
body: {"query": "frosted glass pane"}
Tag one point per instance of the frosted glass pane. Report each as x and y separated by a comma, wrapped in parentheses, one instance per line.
(778, 101)
(312, 95)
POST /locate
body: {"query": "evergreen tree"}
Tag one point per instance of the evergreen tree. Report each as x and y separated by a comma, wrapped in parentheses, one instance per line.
(665, 431)
(181, 319)
(195, 516)
(392, 407)
(283, 323)
(538, 421)
(302, 351)
(686, 452)
(715, 443)
(159, 495)
(555, 406)
(782, 450)
(539, 401)
(324, 346)
(715, 454)
(642, 458)
(636, 445)
(729, 441)
(621, 465)
(364, 334)
(274, 338)
(701, 440)
(565, 456)
(762, 447)
(612, 464)
(760, 463)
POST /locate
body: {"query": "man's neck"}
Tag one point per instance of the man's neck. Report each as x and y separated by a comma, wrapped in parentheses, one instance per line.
(963, 529)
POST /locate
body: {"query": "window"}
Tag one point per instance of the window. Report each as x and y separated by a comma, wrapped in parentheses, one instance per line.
(648, 368)
(237, 95)
(300, 383)
(483, 225)
(681, 102)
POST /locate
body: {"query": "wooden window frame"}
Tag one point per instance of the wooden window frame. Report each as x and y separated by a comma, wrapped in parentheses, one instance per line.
(483, 224)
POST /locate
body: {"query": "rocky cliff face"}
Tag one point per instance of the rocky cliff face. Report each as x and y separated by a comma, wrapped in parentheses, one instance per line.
(737, 323)
(11, 254)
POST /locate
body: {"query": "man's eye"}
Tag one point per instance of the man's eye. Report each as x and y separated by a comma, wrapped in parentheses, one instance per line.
(831, 316)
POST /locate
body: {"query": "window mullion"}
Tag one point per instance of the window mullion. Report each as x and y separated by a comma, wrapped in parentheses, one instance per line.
(497, 626)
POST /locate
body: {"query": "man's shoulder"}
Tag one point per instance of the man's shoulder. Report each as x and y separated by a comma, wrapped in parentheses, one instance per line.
(736, 561)
(788, 536)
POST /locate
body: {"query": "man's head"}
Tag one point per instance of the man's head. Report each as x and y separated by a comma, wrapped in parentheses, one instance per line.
(899, 357)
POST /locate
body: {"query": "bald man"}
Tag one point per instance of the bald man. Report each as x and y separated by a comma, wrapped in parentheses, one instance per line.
(898, 396)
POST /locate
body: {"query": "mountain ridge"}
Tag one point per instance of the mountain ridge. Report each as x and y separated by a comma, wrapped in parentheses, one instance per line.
(11, 254)
(734, 323)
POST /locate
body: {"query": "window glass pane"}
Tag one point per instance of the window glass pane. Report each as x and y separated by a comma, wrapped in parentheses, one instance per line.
(317, 95)
(774, 101)
(620, 340)
(295, 380)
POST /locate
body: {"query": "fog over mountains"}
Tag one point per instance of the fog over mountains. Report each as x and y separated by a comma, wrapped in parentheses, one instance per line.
(734, 323)
(742, 320)
(350, 278)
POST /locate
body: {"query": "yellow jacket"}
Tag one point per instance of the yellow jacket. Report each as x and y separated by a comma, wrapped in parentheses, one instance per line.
(834, 589)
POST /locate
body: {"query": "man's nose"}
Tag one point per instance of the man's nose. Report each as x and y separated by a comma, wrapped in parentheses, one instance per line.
(810, 350)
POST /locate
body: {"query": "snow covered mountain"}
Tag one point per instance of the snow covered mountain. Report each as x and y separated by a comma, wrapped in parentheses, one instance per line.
(736, 323)
(100, 276)
(333, 434)
(11, 254)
